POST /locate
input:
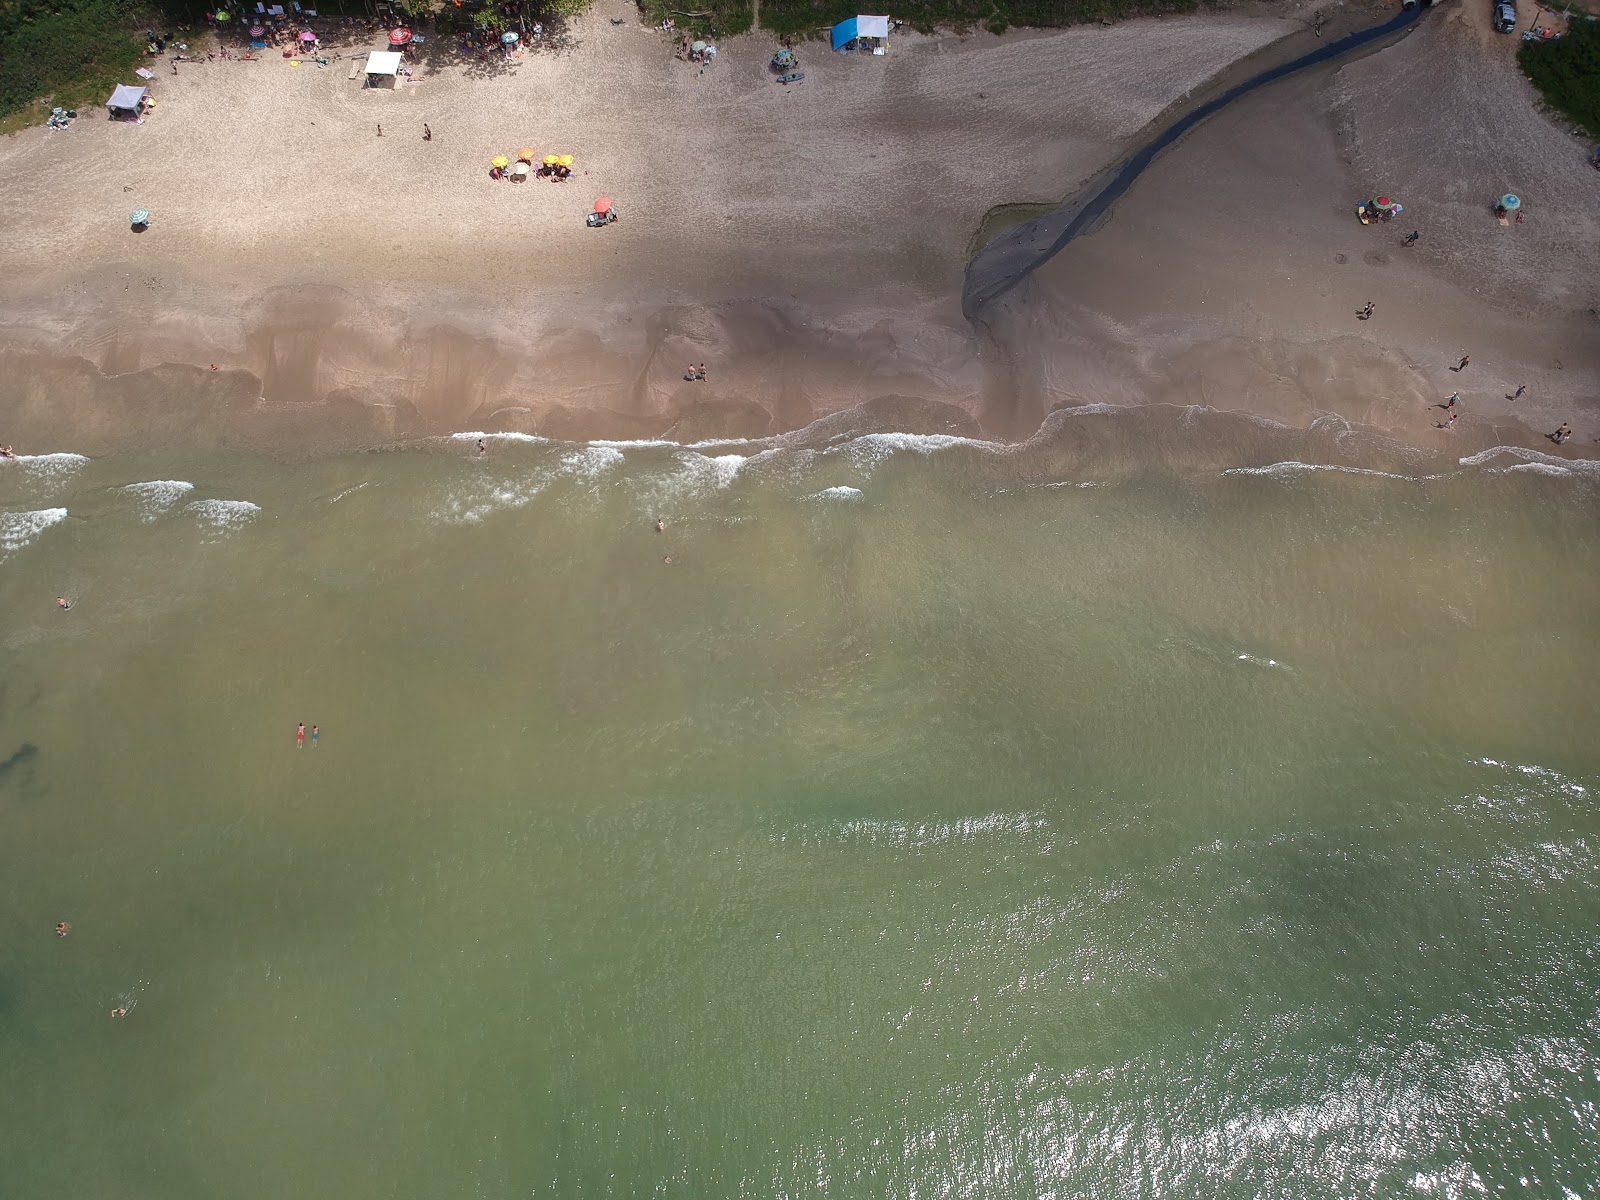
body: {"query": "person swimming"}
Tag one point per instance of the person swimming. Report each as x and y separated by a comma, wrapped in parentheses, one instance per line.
(62, 929)
(661, 526)
(63, 604)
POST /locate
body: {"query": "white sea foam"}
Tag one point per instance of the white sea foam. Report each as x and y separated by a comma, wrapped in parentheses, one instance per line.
(340, 495)
(156, 496)
(918, 835)
(472, 503)
(17, 529)
(592, 461)
(50, 466)
(1284, 469)
(838, 493)
(223, 515)
(867, 450)
(1537, 468)
(1262, 662)
(479, 435)
(1531, 460)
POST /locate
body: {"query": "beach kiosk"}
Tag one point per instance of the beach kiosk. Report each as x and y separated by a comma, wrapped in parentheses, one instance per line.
(866, 34)
(127, 103)
(383, 69)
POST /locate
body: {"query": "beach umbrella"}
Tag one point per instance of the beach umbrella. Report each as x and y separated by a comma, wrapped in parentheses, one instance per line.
(256, 31)
(525, 154)
(565, 160)
(399, 37)
(697, 47)
(139, 216)
(499, 160)
(1510, 203)
(509, 38)
(550, 160)
(602, 205)
(307, 36)
(1383, 202)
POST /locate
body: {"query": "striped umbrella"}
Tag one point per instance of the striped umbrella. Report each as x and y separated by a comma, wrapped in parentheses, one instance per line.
(139, 216)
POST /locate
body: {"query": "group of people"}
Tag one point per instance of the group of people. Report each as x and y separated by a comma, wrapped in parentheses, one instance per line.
(6, 452)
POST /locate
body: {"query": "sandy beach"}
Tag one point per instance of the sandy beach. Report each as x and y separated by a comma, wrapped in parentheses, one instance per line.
(807, 243)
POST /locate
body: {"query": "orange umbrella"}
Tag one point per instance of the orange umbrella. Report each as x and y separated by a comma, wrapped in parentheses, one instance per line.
(525, 154)
(602, 205)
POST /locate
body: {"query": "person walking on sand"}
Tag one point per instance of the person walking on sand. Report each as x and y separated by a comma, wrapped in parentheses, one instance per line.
(1449, 421)
(1411, 238)
(700, 372)
(380, 130)
(1366, 313)
(1462, 365)
(427, 134)
(300, 736)
(1450, 404)
(1517, 395)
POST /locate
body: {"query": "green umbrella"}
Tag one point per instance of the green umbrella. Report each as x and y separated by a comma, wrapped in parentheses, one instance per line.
(139, 216)
(698, 47)
(1510, 202)
(224, 16)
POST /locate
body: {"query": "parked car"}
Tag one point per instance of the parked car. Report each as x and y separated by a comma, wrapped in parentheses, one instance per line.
(1505, 16)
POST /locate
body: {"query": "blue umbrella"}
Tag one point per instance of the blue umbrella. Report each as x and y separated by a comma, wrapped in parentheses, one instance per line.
(1510, 203)
(139, 216)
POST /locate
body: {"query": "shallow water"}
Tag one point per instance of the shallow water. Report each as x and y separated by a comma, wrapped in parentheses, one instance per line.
(929, 825)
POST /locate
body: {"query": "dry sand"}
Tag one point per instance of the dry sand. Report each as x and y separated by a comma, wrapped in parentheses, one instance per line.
(807, 243)
(1249, 304)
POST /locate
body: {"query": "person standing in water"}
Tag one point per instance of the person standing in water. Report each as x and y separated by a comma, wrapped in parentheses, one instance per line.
(63, 604)
(300, 736)
(314, 732)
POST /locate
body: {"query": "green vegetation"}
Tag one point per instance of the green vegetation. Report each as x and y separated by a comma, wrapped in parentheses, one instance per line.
(1567, 71)
(72, 51)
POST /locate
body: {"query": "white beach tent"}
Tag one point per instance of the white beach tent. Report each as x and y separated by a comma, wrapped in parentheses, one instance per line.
(126, 101)
(861, 33)
(381, 65)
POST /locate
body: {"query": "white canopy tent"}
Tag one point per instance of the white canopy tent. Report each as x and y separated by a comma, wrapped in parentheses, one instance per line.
(381, 65)
(127, 101)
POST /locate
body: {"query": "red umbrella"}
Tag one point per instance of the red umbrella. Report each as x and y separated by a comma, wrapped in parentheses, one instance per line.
(399, 37)
(602, 205)
(1383, 202)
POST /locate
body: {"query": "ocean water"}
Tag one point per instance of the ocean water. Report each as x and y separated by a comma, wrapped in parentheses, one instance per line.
(933, 823)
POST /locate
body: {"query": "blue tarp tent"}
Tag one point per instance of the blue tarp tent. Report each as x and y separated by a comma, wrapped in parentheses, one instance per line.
(847, 33)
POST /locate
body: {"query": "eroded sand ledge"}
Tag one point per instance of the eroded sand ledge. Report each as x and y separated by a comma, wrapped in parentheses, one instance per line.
(808, 245)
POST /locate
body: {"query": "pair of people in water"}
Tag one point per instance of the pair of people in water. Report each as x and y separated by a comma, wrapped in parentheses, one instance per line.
(300, 735)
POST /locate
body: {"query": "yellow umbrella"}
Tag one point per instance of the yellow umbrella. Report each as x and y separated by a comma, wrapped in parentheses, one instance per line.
(525, 154)
(550, 160)
(499, 160)
(566, 160)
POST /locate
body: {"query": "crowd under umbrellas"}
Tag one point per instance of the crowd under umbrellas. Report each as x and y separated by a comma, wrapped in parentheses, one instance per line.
(555, 168)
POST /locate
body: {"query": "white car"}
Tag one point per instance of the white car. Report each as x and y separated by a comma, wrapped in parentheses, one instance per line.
(1505, 17)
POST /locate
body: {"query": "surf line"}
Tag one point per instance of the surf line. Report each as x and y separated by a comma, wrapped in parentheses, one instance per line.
(980, 292)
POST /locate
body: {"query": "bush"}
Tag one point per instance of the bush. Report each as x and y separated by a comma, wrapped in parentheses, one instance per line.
(75, 53)
(1567, 72)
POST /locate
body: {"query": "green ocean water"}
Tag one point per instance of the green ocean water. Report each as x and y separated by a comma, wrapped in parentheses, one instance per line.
(927, 826)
